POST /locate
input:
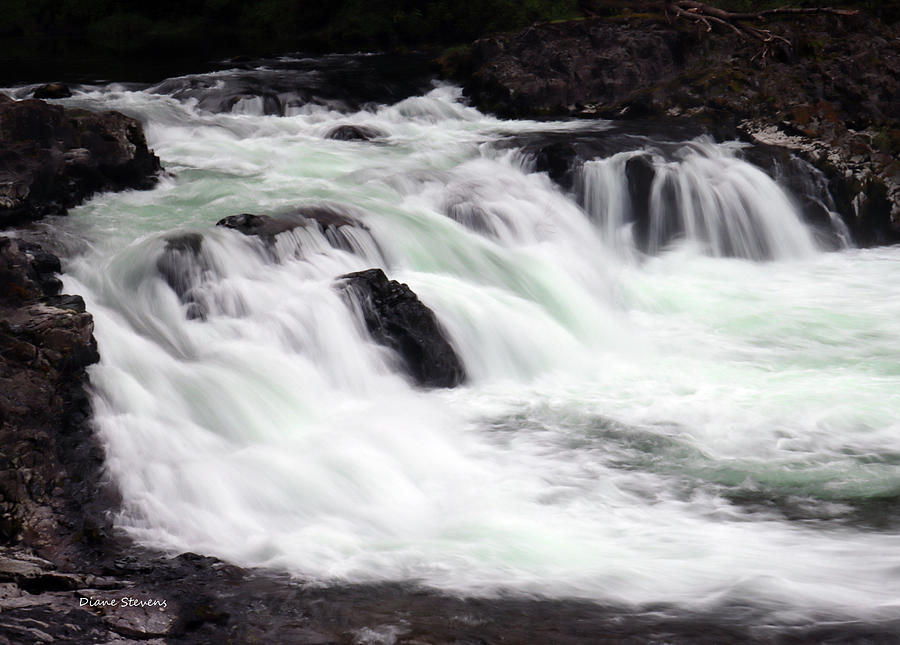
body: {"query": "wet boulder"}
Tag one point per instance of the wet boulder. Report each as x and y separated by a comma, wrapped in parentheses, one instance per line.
(53, 158)
(396, 318)
(263, 226)
(340, 229)
(353, 133)
(52, 91)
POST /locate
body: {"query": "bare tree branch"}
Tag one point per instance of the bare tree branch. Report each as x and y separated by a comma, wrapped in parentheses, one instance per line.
(706, 16)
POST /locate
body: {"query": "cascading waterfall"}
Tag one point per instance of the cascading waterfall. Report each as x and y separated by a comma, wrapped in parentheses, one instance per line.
(702, 194)
(686, 429)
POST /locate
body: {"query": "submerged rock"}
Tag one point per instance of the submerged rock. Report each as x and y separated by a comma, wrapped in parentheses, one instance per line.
(396, 318)
(52, 91)
(263, 226)
(52, 158)
(353, 133)
(182, 266)
(337, 226)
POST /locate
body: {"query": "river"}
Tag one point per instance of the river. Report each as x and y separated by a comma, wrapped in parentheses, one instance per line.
(706, 419)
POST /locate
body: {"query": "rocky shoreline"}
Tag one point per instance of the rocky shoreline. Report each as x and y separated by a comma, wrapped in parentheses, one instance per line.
(53, 496)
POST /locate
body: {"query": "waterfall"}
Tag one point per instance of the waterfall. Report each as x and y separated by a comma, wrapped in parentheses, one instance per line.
(652, 416)
(703, 194)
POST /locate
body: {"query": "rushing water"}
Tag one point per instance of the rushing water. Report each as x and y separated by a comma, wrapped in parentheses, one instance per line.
(685, 427)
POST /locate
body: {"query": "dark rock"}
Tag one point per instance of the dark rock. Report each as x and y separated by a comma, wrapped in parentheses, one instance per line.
(640, 174)
(397, 319)
(41, 261)
(45, 266)
(49, 468)
(188, 242)
(276, 85)
(259, 225)
(353, 133)
(184, 267)
(557, 160)
(52, 91)
(270, 103)
(18, 279)
(70, 303)
(52, 158)
(51, 285)
(560, 68)
(871, 213)
(561, 155)
(331, 221)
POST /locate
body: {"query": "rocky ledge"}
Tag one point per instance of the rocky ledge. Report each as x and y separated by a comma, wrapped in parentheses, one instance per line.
(53, 158)
(832, 96)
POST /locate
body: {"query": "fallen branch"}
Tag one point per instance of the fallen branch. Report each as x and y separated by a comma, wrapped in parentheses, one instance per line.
(706, 16)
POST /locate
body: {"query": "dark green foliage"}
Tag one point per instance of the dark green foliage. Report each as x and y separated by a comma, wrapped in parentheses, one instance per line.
(129, 25)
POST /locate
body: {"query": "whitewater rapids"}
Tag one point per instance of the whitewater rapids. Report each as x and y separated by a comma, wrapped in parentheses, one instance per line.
(683, 427)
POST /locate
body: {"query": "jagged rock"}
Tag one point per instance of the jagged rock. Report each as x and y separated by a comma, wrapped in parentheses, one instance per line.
(52, 91)
(396, 318)
(52, 158)
(353, 133)
(49, 466)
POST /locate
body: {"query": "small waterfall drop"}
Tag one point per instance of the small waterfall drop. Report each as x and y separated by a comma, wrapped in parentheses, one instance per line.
(701, 193)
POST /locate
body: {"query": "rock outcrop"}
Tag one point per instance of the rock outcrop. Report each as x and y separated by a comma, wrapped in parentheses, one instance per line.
(833, 97)
(396, 318)
(50, 463)
(52, 158)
